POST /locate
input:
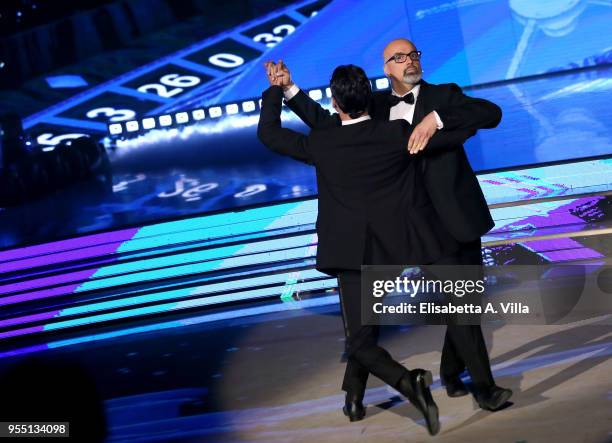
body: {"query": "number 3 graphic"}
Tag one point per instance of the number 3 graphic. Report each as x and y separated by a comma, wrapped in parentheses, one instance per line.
(116, 115)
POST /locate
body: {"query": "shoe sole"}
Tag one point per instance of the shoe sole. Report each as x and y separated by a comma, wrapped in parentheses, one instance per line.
(431, 413)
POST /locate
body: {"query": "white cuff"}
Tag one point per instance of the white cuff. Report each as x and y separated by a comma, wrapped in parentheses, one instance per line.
(439, 123)
(291, 92)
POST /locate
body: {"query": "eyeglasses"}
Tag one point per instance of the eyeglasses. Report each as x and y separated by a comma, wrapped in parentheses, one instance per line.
(401, 57)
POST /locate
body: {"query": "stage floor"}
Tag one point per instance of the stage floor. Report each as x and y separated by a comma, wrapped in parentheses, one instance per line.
(276, 378)
(190, 331)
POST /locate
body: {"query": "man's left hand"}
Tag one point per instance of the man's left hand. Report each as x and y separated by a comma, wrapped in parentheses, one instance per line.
(422, 133)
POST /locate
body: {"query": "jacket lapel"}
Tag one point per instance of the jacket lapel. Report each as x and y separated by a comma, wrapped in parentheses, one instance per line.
(419, 114)
(420, 105)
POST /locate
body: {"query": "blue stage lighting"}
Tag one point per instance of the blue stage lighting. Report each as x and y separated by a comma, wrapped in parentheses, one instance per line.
(248, 106)
(198, 114)
(181, 118)
(148, 123)
(115, 129)
(66, 81)
(232, 109)
(382, 83)
(165, 120)
(132, 126)
(315, 94)
(215, 111)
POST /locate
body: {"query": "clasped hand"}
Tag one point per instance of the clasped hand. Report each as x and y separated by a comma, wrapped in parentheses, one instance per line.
(278, 74)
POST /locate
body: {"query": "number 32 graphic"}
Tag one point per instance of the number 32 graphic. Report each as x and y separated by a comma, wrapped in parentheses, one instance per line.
(277, 35)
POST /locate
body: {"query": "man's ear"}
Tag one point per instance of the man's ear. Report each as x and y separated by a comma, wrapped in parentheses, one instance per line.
(334, 104)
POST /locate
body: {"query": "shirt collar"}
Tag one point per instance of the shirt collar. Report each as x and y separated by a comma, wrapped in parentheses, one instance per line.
(356, 120)
(415, 91)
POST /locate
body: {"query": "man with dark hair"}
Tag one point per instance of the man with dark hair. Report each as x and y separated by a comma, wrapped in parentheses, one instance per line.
(351, 90)
(370, 206)
(448, 178)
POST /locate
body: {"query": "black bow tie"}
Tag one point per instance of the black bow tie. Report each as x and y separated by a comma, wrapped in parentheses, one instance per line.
(408, 98)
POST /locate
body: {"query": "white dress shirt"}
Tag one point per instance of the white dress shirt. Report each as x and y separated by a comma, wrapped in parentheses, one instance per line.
(356, 120)
(406, 110)
(291, 92)
(401, 110)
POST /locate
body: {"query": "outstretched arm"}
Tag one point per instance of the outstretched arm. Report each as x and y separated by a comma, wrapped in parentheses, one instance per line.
(311, 112)
(273, 135)
(464, 112)
(308, 110)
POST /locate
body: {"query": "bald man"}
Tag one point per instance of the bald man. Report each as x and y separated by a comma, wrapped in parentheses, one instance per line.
(450, 182)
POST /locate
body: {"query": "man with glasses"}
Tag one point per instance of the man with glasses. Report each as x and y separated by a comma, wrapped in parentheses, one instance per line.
(450, 183)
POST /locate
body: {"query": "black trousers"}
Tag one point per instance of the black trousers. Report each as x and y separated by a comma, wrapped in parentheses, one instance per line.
(464, 345)
(364, 356)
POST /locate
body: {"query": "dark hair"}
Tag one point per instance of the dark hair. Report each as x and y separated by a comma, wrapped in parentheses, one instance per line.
(351, 89)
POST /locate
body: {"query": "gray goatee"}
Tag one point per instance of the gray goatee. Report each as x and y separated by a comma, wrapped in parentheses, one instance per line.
(413, 79)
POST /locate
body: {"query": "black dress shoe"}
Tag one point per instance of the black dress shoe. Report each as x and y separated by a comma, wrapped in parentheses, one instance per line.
(414, 385)
(353, 407)
(455, 387)
(494, 398)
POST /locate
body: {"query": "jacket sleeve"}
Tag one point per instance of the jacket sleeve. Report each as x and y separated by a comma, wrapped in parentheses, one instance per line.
(464, 112)
(447, 140)
(270, 132)
(312, 113)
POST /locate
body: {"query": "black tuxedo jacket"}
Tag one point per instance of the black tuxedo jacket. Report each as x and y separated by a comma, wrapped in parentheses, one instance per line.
(372, 208)
(449, 178)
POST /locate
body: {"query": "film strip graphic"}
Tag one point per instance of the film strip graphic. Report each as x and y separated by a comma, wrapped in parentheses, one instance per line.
(154, 87)
(190, 118)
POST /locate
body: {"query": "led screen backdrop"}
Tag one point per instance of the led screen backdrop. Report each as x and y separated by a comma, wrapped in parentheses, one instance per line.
(546, 63)
(468, 42)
